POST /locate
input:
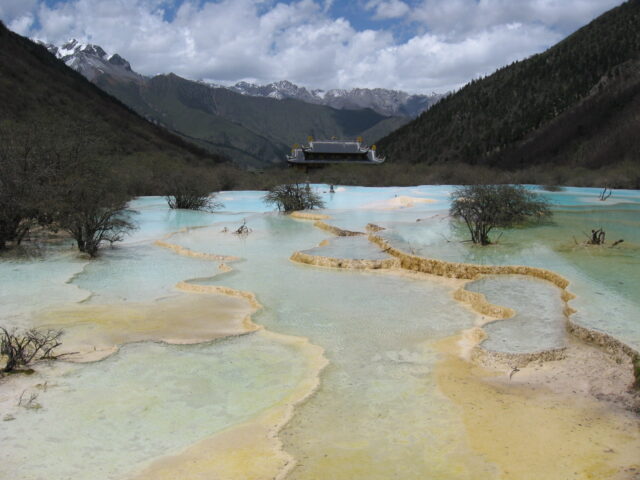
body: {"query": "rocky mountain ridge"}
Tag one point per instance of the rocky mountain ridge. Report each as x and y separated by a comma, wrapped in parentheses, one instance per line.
(91, 60)
(381, 100)
(252, 130)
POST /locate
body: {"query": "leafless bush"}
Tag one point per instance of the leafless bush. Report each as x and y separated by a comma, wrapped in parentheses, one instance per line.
(91, 201)
(27, 167)
(30, 402)
(190, 188)
(606, 193)
(293, 196)
(23, 348)
(485, 207)
(242, 230)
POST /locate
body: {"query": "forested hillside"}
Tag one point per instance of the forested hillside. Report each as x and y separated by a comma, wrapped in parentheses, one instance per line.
(559, 102)
(42, 98)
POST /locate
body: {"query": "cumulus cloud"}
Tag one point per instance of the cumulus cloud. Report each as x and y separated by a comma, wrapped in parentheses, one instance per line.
(267, 40)
(385, 9)
(460, 17)
(18, 14)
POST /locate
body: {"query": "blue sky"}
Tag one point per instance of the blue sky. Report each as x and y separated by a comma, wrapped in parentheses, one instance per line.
(412, 45)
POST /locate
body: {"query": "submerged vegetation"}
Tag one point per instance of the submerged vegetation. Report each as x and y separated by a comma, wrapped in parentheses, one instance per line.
(293, 196)
(485, 207)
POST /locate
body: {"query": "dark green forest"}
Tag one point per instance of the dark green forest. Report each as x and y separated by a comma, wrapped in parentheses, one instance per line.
(586, 84)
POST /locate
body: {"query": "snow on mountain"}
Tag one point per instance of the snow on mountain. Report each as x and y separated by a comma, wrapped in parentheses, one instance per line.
(278, 90)
(92, 61)
(383, 101)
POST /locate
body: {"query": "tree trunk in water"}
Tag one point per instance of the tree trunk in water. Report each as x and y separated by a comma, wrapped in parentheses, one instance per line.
(91, 248)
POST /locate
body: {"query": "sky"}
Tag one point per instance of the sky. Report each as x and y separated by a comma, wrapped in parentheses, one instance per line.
(419, 46)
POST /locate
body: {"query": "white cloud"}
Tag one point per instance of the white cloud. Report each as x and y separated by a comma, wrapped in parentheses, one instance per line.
(13, 9)
(264, 40)
(18, 14)
(386, 9)
(461, 17)
(22, 25)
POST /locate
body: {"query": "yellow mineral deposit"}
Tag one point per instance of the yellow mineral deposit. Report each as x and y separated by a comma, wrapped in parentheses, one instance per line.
(530, 432)
(534, 426)
(404, 201)
(97, 330)
(526, 428)
(306, 215)
(397, 202)
(250, 451)
(335, 230)
(356, 264)
(476, 301)
(191, 253)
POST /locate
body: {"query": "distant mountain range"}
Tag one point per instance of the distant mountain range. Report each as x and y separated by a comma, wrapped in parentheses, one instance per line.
(92, 60)
(41, 96)
(385, 102)
(573, 106)
(253, 125)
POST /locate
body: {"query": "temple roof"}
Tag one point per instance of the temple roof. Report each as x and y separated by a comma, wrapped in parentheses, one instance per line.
(334, 147)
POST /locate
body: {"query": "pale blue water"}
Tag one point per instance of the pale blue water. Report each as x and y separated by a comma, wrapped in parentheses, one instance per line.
(539, 322)
(377, 329)
(359, 248)
(149, 400)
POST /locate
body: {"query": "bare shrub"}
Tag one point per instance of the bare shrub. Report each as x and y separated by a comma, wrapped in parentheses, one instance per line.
(27, 166)
(485, 207)
(23, 348)
(91, 202)
(292, 197)
(190, 188)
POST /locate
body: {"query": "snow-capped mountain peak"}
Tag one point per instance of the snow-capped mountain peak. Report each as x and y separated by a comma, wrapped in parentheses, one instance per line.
(92, 61)
(385, 102)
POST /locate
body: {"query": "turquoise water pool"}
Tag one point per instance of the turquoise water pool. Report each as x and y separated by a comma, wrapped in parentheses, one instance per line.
(377, 406)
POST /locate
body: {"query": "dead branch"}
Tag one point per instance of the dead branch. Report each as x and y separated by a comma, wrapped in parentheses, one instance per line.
(604, 195)
(22, 349)
(243, 230)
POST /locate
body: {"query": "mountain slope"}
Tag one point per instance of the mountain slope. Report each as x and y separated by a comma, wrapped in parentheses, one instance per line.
(253, 131)
(251, 128)
(600, 130)
(37, 91)
(492, 115)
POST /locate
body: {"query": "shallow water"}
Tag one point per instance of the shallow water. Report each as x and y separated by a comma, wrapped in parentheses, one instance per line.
(539, 320)
(98, 420)
(606, 280)
(378, 412)
(355, 248)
